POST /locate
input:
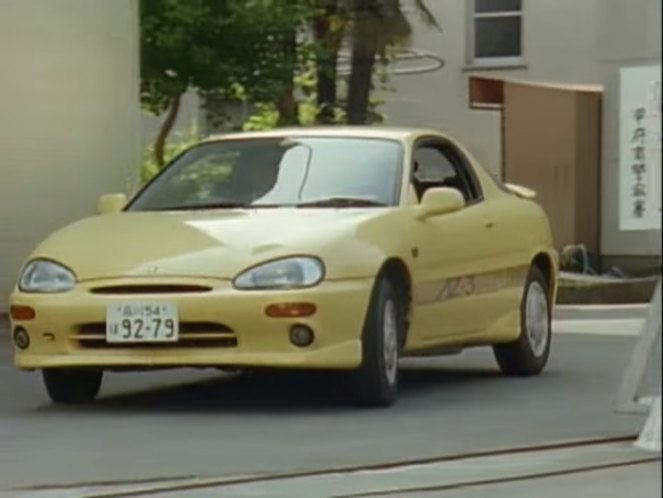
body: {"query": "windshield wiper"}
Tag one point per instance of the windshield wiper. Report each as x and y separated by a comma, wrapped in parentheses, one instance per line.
(209, 205)
(221, 205)
(342, 202)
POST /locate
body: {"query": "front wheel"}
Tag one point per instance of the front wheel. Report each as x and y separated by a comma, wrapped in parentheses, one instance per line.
(529, 354)
(70, 386)
(375, 383)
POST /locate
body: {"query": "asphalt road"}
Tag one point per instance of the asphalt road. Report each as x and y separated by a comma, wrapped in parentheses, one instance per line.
(182, 423)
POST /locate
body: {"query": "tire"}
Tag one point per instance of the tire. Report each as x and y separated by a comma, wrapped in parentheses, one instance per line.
(528, 355)
(70, 387)
(375, 383)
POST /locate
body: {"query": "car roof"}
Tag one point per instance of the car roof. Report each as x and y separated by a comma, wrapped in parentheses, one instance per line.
(384, 132)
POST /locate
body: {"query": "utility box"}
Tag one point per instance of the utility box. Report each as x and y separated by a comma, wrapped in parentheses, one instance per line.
(551, 143)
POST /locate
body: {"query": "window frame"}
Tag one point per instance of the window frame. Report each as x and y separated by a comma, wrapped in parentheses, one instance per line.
(458, 161)
(508, 61)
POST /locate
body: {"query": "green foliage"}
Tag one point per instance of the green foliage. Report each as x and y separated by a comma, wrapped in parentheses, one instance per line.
(266, 52)
(170, 59)
(211, 45)
(266, 117)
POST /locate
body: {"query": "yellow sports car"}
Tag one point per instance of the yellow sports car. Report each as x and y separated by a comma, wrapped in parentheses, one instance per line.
(319, 248)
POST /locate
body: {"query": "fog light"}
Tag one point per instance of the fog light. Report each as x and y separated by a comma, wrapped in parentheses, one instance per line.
(21, 338)
(301, 335)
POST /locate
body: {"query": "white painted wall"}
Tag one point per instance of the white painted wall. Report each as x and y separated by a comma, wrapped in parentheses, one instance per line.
(69, 116)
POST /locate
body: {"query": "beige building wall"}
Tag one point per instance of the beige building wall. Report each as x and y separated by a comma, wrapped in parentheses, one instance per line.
(559, 42)
(69, 116)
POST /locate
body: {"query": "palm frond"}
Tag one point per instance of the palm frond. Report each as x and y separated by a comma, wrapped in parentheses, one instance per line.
(426, 14)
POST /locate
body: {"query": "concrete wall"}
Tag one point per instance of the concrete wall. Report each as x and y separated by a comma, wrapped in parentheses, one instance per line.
(629, 35)
(69, 116)
(559, 44)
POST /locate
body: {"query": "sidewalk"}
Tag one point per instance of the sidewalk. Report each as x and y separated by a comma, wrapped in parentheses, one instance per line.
(638, 481)
(579, 471)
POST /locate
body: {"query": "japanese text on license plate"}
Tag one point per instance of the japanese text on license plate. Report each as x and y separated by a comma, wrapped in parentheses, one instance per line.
(142, 322)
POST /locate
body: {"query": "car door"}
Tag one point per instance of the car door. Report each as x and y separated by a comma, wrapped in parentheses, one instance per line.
(454, 261)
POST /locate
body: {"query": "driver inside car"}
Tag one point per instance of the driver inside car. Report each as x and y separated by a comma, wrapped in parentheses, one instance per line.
(255, 172)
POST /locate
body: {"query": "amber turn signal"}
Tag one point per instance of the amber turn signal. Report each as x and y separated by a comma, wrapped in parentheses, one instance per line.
(290, 310)
(22, 313)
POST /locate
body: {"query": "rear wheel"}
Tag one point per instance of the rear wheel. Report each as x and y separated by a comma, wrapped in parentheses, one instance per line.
(529, 354)
(375, 383)
(70, 386)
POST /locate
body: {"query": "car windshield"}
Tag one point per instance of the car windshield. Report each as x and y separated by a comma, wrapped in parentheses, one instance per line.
(304, 172)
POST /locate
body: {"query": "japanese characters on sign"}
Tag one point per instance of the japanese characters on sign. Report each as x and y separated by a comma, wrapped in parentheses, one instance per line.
(639, 164)
(640, 148)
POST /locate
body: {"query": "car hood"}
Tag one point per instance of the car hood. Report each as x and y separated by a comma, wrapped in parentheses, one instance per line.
(202, 244)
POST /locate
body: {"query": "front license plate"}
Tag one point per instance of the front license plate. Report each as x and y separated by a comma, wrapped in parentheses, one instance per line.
(142, 322)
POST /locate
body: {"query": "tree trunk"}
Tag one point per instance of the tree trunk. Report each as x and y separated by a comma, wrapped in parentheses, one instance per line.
(329, 43)
(366, 31)
(288, 108)
(164, 131)
(286, 103)
(361, 81)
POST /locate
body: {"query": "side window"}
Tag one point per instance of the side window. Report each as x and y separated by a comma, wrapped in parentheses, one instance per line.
(440, 166)
(432, 166)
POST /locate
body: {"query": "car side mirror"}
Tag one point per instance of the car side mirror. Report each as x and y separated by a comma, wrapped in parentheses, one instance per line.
(439, 201)
(111, 203)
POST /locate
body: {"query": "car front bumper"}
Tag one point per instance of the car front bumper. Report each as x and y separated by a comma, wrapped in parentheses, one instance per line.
(223, 327)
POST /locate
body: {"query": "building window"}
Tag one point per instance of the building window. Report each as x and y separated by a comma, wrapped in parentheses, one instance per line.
(497, 32)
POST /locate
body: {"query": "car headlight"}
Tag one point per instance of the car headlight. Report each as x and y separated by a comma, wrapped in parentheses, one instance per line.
(46, 276)
(287, 273)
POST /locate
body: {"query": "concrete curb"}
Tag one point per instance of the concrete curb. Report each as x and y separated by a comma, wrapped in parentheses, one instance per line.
(600, 311)
(589, 290)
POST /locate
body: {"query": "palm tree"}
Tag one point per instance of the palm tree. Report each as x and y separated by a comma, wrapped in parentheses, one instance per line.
(329, 25)
(376, 24)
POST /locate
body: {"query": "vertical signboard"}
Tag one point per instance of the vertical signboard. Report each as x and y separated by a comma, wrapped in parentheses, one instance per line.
(640, 148)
